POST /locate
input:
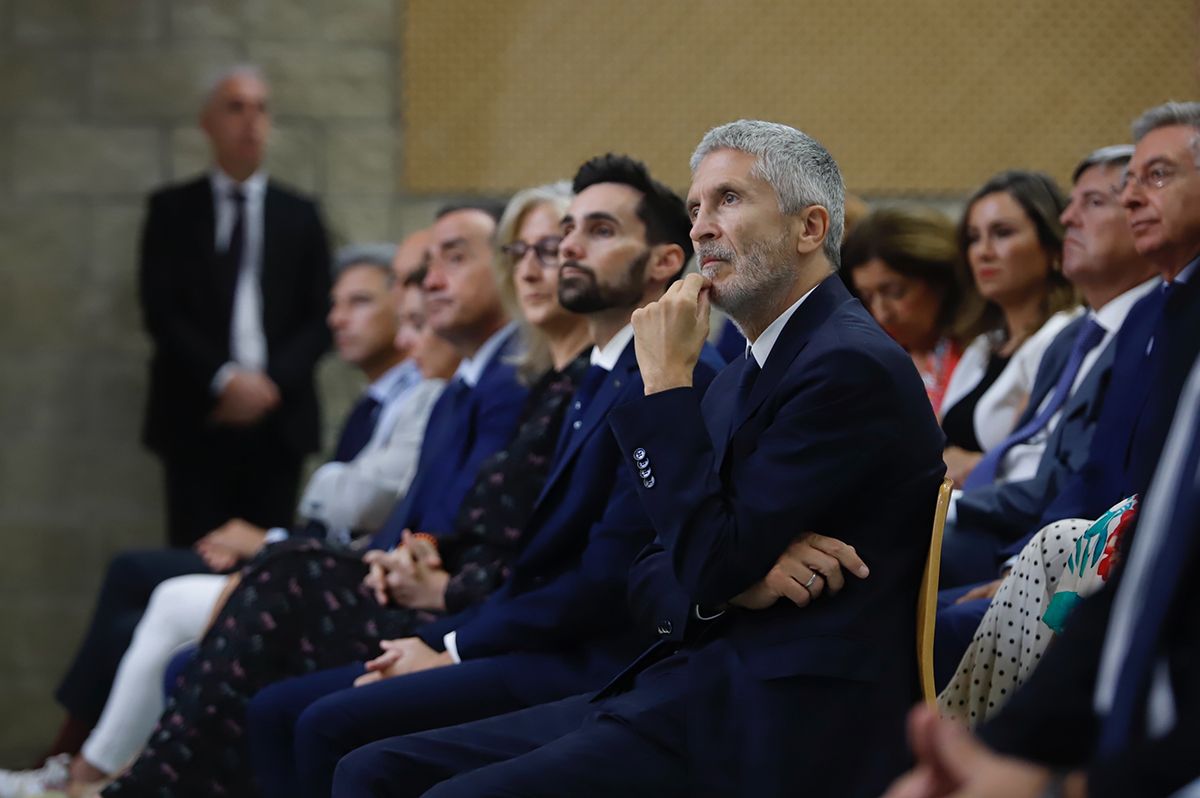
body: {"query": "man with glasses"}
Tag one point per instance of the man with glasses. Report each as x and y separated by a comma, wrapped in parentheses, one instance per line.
(1112, 708)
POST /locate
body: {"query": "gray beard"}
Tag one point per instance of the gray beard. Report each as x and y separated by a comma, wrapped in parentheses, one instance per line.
(759, 278)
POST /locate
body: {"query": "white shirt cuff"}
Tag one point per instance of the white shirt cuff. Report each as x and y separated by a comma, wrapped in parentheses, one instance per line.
(1009, 564)
(276, 534)
(952, 510)
(451, 643)
(222, 378)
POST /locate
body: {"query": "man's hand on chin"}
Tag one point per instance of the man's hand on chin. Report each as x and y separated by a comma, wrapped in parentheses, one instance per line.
(669, 334)
(400, 657)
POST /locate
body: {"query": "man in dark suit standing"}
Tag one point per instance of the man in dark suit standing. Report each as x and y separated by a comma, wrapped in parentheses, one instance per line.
(751, 688)
(234, 288)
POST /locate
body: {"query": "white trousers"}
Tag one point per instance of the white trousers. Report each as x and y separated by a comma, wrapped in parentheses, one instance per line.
(177, 613)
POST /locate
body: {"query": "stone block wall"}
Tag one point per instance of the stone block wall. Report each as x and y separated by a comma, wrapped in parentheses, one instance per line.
(98, 104)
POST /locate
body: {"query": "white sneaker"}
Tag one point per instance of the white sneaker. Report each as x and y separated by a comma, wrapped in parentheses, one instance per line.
(53, 775)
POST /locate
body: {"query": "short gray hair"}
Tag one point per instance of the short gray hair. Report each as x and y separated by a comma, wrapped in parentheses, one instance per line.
(1170, 114)
(1113, 155)
(801, 171)
(378, 256)
(237, 70)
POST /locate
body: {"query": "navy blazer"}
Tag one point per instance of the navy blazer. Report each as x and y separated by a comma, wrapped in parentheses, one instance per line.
(1141, 400)
(564, 603)
(460, 434)
(187, 303)
(837, 437)
(1009, 509)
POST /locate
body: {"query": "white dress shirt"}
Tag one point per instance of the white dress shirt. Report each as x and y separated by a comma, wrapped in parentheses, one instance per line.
(247, 340)
(1022, 460)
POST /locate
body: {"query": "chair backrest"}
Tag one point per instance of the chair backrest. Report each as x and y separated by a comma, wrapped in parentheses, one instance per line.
(927, 597)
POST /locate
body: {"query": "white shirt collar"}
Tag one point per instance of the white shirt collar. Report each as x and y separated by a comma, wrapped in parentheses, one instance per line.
(762, 346)
(254, 186)
(471, 369)
(607, 357)
(1112, 315)
(394, 380)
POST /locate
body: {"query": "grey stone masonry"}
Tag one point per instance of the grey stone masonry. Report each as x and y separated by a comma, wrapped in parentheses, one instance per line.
(99, 102)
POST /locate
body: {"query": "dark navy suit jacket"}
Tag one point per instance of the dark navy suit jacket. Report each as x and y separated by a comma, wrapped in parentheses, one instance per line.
(461, 433)
(1008, 509)
(563, 607)
(1140, 404)
(1052, 718)
(837, 436)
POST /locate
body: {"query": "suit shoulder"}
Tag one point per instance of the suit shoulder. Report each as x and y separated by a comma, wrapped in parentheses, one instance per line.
(286, 195)
(180, 192)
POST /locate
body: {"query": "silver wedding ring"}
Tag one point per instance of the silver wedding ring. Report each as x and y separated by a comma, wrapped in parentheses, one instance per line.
(812, 579)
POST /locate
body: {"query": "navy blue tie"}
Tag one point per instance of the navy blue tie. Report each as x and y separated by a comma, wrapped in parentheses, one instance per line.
(745, 387)
(984, 473)
(357, 430)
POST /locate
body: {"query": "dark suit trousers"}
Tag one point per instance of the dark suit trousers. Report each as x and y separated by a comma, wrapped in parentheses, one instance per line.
(299, 728)
(239, 474)
(956, 627)
(969, 556)
(128, 583)
(563, 748)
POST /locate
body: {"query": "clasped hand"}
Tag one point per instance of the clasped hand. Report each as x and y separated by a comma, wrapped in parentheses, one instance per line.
(669, 334)
(792, 576)
(230, 543)
(400, 657)
(410, 575)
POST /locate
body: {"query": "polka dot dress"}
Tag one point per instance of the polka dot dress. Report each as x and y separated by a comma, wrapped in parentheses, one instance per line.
(1011, 638)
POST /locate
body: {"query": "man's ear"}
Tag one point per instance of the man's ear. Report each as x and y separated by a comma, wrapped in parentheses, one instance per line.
(810, 227)
(666, 261)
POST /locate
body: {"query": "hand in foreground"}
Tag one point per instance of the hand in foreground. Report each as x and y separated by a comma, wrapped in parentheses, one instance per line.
(234, 540)
(960, 463)
(985, 591)
(245, 399)
(669, 334)
(400, 657)
(792, 576)
(951, 762)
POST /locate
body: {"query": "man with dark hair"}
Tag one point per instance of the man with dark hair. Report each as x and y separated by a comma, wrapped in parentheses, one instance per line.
(751, 688)
(558, 625)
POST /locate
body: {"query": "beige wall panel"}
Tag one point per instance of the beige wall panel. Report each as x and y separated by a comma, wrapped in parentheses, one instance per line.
(919, 96)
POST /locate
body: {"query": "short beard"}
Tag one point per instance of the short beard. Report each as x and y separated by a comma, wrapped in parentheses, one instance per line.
(579, 296)
(760, 278)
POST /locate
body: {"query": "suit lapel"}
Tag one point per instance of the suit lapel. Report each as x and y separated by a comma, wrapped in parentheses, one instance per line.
(595, 417)
(270, 274)
(807, 319)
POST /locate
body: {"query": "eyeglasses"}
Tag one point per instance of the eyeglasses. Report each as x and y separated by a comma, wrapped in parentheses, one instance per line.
(1156, 177)
(545, 249)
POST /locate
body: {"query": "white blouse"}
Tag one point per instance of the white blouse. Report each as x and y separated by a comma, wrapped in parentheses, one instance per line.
(1001, 405)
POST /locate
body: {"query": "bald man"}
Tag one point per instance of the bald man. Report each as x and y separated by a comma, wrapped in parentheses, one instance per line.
(235, 286)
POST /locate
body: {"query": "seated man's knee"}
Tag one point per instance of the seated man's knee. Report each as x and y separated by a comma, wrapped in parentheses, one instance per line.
(380, 769)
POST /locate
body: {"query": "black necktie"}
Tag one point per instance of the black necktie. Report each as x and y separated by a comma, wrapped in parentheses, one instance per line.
(232, 256)
(357, 430)
(745, 386)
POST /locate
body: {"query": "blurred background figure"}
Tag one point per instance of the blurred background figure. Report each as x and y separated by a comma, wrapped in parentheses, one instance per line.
(902, 262)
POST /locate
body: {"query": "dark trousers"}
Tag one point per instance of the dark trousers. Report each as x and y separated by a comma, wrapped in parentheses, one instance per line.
(569, 747)
(956, 627)
(240, 474)
(300, 728)
(969, 556)
(130, 579)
